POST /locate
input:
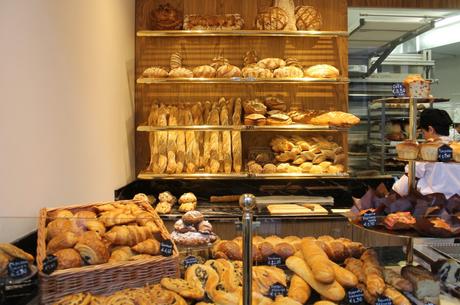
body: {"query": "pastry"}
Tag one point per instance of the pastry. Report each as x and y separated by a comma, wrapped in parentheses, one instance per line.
(370, 299)
(318, 261)
(254, 168)
(269, 168)
(292, 61)
(271, 63)
(92, 249)
(373, 273)
(192, 217)
(149, 246)
(256, 72)
(128, 235)
(355, 266)
(16, 252)
(254, 107)
(416, 86)
(4, 261)
(163, 207)
(155, 72)
(281, 144)
(205, 227)
(121, 254)
(116, 217)
(265, 276)
(271, 18)
(429, 150)
(399, 221)
(180, 73)
(344, 277)
(166, 17)
(255, 119)
(307, 18)
(396, 297)
(282, 168)
(62, 241)
(219, 61)
(299, 290)
(60, 214)
(191, 238)
(288, 72)
(187, 207)
(67, 258)
(322, 71)
(205, 71)
(187, 197)
(183, 288)
(60, 225)
(279, 119)
(228, 71)
(425, 286)
(274, 103)
(167, 197)
(81, 298)
(175, 60)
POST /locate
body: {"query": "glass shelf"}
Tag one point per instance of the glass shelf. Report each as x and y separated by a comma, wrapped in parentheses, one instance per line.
(241, 33)
(239, 80)
(406, 100)
(145, 175)
(293, 127)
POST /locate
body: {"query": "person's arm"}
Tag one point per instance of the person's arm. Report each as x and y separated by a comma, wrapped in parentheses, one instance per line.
(401, 186)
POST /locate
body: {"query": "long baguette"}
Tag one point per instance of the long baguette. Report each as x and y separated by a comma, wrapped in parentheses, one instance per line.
(162, 140)
(236, 138)
(153, 139)
(190, 143)
(226, 141)
(180, 152)
(333, 291)
(172, 141)
(197, 150)
(299, 289)
(214, 163)
(318, 261)
(343, 276)
(207, 135)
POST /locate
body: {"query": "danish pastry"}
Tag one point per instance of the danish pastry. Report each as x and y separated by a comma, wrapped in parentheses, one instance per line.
(191, 290)
(68, 258)
(91, 248)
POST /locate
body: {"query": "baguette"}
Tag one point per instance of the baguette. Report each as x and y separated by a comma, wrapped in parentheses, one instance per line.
(197, 150)
(299, 289)
(172, 141)
(153, 139)
(190, 143)
(214, 163)
(396, 297)
(180, 152)
(220, 148)
(333, 291)
(226, 141)
(236, 137)
(318, 261)
(207, 135)
(324, 302)
(373, 273)
(369, 298)
(344, 277)
(162, 140)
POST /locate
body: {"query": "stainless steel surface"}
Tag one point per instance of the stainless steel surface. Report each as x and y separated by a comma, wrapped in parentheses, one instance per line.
(247, 204)
(241, 33)
(238, 80)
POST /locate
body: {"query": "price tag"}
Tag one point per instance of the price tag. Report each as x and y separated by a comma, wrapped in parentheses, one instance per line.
(275, 260)
(50, 264)
(383, 301)
(398, 90)
(369, 219)
(444, 153)
(166, 248)
(355, 296)
(189, 261)
(277, 289)
(18, 268)
(429, 303)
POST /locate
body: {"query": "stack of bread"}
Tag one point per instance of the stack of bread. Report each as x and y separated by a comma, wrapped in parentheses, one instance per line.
(428, 151)
(315, 155)
(119, 231)
(193, 230)
(8, 253)
(215, 22)
(188, 151)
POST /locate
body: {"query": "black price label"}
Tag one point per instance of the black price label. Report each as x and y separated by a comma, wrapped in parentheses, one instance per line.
(18, 268)
(50, 264)
(444, 153)
(429, 303)
(166, 248)
(355, 296)
(383, 301)
(277, 289)
(275, 260)
(190, 261)
(398, 90)
(369, 219)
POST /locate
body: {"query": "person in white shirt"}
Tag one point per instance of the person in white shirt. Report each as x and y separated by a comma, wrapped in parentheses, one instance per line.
(433, 177)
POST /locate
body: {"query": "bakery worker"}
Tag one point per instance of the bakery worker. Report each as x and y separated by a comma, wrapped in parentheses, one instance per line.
(434, 177)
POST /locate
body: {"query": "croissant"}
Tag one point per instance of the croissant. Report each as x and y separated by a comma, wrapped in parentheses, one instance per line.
(95, 226)
(60, 225)
(149, 246)
(128, 235)
(62, 241)
(121, 254)
(91, 248)
(143, 217)
(116, 217)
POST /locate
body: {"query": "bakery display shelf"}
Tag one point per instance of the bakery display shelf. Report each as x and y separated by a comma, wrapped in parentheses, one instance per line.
(406, 100)
(425, 161)
(293, 127)
(239, 80)
(382, 230)
(241, 33)
(145, 175)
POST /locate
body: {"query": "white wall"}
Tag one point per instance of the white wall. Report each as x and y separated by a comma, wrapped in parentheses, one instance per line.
(66, 105)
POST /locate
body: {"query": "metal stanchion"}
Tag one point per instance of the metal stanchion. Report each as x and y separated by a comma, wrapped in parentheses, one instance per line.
(410, 251)
(247, 204)
(412, 137)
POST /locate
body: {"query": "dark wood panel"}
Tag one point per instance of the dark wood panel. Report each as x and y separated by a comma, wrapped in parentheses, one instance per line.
(426, 4)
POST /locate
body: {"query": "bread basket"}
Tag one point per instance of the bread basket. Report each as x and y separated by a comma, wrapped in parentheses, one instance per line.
(104, 278)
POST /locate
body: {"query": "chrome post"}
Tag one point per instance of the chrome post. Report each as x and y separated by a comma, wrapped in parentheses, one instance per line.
(412, 137)
(247, 204)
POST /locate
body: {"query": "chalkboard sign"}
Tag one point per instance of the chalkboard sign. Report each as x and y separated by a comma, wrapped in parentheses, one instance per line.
(166, 248)
(398, 90)
(18, 268)
(383, 301)
(275, 260)
(444, 153)
(355, 296)
(190, 261)
(50, 264)
(277, 289)
(369, 219)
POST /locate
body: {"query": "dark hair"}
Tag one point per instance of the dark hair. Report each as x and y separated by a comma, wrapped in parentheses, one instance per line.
(438, 119)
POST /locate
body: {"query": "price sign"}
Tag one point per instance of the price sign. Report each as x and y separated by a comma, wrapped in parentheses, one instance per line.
(369, 219)
(50, 264)
(355, 296)
(166, 248)
(189, 261)
(274, 260)
(18, 268)
(277, 289)
(398, 90)
(383, 301)
(444, 153)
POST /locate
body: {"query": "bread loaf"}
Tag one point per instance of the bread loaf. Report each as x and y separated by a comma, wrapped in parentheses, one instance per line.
(155, 72)
(205, 71)
(207, 135)
(162, 140)
(308, 18)
(172, 141)
(228, 71)
(271, 63)
(289, 7)
(272, 18)
(318, 261)
(236, 138)
(322, 71)
(180, 73)
(344, 277)
(153, 139)
(214, 163)
(299, 290)
(226, 141)
(181, 143)
(190, 143)
(288, 72)
(197, 151)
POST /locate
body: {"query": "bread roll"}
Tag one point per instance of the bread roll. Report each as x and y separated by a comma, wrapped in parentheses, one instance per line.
(318, 261)
(344, 277)
(299, 290)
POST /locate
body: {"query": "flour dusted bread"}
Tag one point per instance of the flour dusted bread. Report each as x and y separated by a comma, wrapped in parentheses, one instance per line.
(155, 72)
(322, 71)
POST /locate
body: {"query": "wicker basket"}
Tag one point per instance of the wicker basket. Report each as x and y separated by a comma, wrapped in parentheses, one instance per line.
(104, 278)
